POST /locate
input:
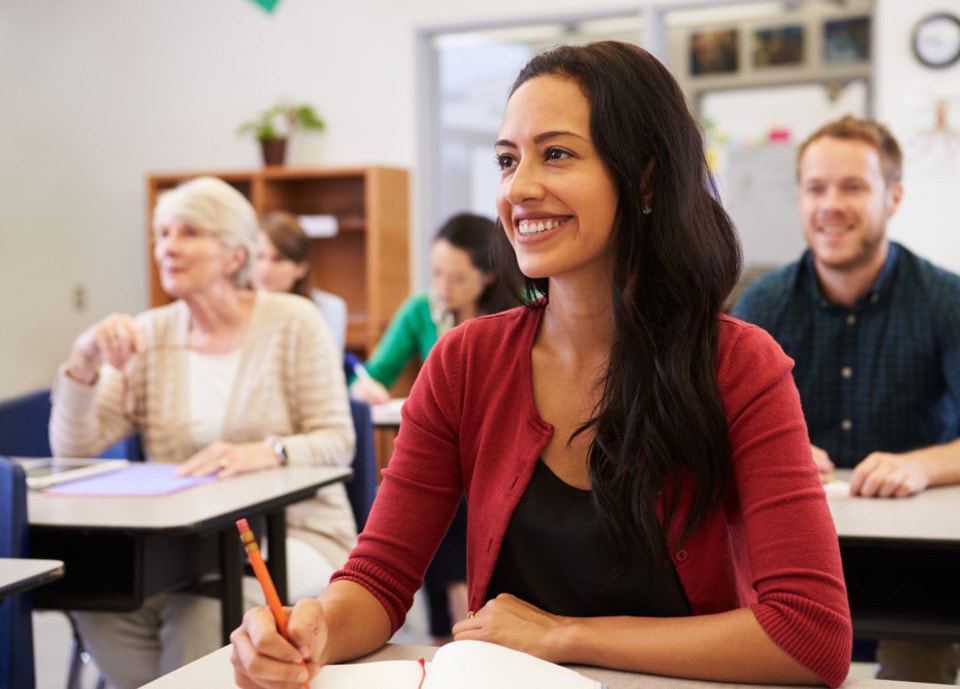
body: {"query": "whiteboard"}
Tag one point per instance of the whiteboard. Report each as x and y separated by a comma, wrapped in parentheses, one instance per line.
(760, 191)
(756, 176)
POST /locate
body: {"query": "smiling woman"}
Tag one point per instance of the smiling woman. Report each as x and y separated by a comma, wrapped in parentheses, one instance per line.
(468, 69)
(556, 199)
(633, 461)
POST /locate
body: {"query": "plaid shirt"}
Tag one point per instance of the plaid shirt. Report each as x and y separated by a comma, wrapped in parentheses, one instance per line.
(883, 375)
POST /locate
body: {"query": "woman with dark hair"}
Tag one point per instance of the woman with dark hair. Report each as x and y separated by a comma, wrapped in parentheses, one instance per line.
(463, 286)
(636, 465)
(283, 265)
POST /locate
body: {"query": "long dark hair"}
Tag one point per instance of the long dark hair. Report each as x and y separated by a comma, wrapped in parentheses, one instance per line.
(660, 420)
(473, 234)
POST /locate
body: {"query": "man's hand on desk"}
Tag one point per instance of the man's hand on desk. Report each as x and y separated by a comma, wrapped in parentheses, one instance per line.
(886, 475)
(824, 466)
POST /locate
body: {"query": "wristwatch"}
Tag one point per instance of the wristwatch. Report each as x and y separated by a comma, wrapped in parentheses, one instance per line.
(278, 449)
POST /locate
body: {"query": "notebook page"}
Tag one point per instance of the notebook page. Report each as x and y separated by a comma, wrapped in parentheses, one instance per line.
(837, 488)
(388, 674)
(482, 665)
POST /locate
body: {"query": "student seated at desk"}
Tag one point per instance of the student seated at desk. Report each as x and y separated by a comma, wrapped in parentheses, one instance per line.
(875, 333)
(283, 265)
(225, 380)
(464, 286)
(636, 466)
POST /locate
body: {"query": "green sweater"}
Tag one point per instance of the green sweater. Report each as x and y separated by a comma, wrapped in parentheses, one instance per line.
(412, 332)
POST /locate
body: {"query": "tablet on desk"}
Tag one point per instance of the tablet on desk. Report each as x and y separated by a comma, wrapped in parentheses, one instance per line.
(43, 472)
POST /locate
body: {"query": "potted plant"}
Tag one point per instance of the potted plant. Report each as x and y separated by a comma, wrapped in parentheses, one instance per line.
(273, 127)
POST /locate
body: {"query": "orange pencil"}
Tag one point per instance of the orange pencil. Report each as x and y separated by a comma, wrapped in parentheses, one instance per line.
(266, 583)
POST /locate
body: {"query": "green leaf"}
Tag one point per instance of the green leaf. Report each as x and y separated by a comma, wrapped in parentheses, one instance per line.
(281, 120)
(268, 5)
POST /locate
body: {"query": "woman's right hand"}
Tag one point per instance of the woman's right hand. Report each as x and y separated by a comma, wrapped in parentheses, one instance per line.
(263, 658)
(114, 339)
(369, 391)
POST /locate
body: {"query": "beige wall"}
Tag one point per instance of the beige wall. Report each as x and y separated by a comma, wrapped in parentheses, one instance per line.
(927, 220)
(97, 95)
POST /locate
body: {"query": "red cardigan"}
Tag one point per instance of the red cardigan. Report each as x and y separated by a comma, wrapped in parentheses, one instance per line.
(470, 424)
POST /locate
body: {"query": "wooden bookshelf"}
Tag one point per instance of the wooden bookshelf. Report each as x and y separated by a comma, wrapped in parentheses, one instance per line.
(367, 262)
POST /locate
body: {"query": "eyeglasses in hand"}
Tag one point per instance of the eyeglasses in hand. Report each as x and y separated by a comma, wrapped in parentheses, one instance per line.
(129, 403)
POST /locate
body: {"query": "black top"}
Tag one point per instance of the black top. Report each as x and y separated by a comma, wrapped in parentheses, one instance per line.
(556, 556)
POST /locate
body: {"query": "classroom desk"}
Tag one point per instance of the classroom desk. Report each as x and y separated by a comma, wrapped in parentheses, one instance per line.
(386, 423)
(901, 560)
(387, 415)
(214, 671)
(22, 574)
(121, 550)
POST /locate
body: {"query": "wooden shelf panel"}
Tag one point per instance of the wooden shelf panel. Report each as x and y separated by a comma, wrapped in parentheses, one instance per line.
(338, 264)
(343, 197)
(366, 262)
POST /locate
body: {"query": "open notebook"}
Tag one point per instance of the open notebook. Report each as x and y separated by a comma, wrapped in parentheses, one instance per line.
(457, 665)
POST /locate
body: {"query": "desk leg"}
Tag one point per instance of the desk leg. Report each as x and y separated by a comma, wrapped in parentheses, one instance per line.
(383, 437)
(277, 552)
(231, 574)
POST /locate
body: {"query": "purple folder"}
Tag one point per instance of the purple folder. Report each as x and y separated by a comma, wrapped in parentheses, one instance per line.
(139, 478)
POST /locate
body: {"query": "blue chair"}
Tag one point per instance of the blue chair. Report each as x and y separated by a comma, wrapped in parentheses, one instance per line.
(24, 422)
(362, 488)
(23, 430)
(23, 425)
(16, 623)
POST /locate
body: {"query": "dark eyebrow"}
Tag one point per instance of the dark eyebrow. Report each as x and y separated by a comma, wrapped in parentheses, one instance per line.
(539, 138)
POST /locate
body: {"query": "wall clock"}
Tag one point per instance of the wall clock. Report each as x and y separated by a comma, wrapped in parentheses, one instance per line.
(936, 40)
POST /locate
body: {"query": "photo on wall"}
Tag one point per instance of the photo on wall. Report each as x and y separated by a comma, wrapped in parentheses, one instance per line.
(714, 52)
(846, 40)
(778, 46)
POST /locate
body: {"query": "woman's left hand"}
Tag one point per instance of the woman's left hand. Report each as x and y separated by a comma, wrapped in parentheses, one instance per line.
(508, 621)
(229, 459)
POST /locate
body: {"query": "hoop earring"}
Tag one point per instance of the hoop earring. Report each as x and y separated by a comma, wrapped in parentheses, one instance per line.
(646, 210)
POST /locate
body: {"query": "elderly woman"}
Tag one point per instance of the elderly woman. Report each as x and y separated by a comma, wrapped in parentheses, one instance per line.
(224, 380)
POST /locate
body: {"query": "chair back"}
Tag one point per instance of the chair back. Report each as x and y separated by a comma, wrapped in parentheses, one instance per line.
(16, 624)
(23, 425)
(24, 430)
(362, 488)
